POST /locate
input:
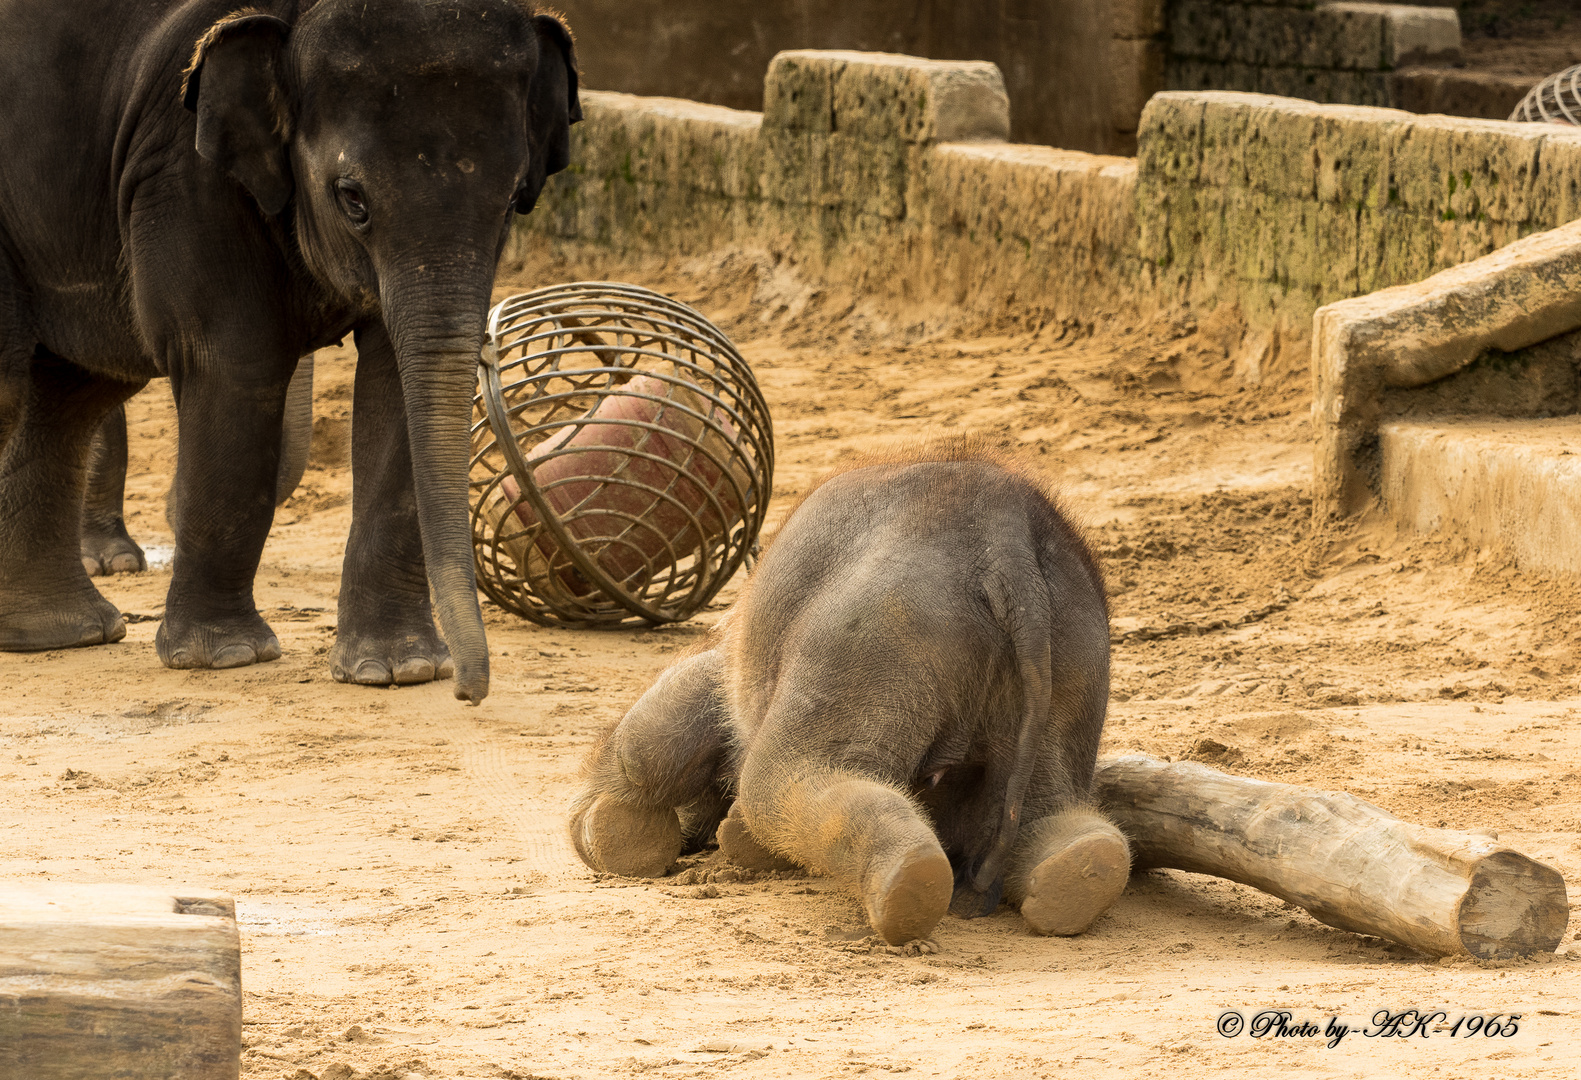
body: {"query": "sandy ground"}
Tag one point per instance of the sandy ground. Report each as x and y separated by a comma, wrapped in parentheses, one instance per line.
(409, 903)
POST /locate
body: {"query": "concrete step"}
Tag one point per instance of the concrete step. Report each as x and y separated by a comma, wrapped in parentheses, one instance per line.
(1512, 483)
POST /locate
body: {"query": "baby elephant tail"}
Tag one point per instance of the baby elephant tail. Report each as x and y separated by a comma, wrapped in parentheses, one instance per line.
(1023, 610)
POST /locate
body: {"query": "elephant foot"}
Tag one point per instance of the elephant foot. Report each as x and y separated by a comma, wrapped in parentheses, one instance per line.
(83, 619)
(741, 848)
(1084, 865)
(380, 660)
(225, 642)
(909, 894)
(631, 841)
(111, 551)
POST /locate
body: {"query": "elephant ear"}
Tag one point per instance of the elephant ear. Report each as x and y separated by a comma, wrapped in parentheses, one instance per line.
(234, 85)
(553, 106)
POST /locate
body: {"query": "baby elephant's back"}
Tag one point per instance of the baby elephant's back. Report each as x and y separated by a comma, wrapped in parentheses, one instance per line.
(892, 589)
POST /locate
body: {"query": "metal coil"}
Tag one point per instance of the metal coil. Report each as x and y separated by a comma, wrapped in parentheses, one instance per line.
(622, 457)
(1555, 100)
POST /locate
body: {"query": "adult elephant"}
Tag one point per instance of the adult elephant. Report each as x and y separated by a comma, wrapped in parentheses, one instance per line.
(106, 547)
(206, 194)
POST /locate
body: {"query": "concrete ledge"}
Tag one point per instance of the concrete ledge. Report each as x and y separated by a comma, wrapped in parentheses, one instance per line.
(1411, 335)
(1514, 483)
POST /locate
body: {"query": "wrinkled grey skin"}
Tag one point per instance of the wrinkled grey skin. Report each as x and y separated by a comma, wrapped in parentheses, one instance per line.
(107, 548)
(908, 696)
(203, 193)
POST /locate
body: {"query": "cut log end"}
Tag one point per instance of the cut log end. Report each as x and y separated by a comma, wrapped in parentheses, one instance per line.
(1513, 907)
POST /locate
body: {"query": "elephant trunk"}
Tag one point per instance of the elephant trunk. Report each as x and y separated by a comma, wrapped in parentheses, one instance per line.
(437, 357)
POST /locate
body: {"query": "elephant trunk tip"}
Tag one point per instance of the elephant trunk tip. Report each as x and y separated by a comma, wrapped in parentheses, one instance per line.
(472, 682)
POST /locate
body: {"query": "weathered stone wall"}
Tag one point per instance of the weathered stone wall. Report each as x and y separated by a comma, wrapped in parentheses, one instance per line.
(880, 172)
(1342, 53)
(1287, 205)
(889, 174)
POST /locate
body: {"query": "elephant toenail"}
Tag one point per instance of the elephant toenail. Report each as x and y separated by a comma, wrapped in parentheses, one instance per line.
(371, 673)
(234, 656)
(414, 670)
(447, 669)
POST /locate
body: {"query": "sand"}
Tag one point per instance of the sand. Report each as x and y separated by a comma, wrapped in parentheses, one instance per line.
(409, 903)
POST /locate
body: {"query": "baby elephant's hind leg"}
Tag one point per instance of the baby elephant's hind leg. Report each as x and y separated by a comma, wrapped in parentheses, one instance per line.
(855, 829)
(667, 753)
(1067, 869)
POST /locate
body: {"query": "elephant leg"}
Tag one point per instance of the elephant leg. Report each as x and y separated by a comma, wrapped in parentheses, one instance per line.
(296, 434)
(49, 411)
(1066, 869)
(658, 778)
(106, 546)
(851, 826)
(385, 629)
(1069, 862)
(229, 409)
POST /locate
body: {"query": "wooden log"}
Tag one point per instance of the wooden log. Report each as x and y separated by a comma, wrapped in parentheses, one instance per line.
(118, 981)
(1349, 863)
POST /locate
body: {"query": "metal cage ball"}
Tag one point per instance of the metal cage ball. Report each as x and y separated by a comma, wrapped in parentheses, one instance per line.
(622, 457)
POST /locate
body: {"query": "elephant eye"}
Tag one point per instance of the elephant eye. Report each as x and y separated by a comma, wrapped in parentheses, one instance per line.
(353, 203)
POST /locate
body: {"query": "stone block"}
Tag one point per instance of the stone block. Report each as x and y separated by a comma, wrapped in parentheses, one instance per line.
(1556, 189)
(120, 981)
(1326, 86)
(1251, 236)
(1421, 35)
(793, 169)
(1336, 268)
(1339, 36)
(1346, 37)
(1456, 168)
(863, 178)
(1404, 248)
(1169, 139)
(884, 97)
(1293, 235)
(1458, 91)
(1200, 30)
(1351, 145)
(1278, 140)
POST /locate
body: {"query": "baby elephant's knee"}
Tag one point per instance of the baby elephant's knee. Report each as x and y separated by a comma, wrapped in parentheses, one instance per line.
(1071, 867)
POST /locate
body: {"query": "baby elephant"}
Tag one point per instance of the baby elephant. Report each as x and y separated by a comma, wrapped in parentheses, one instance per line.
(907, 697)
